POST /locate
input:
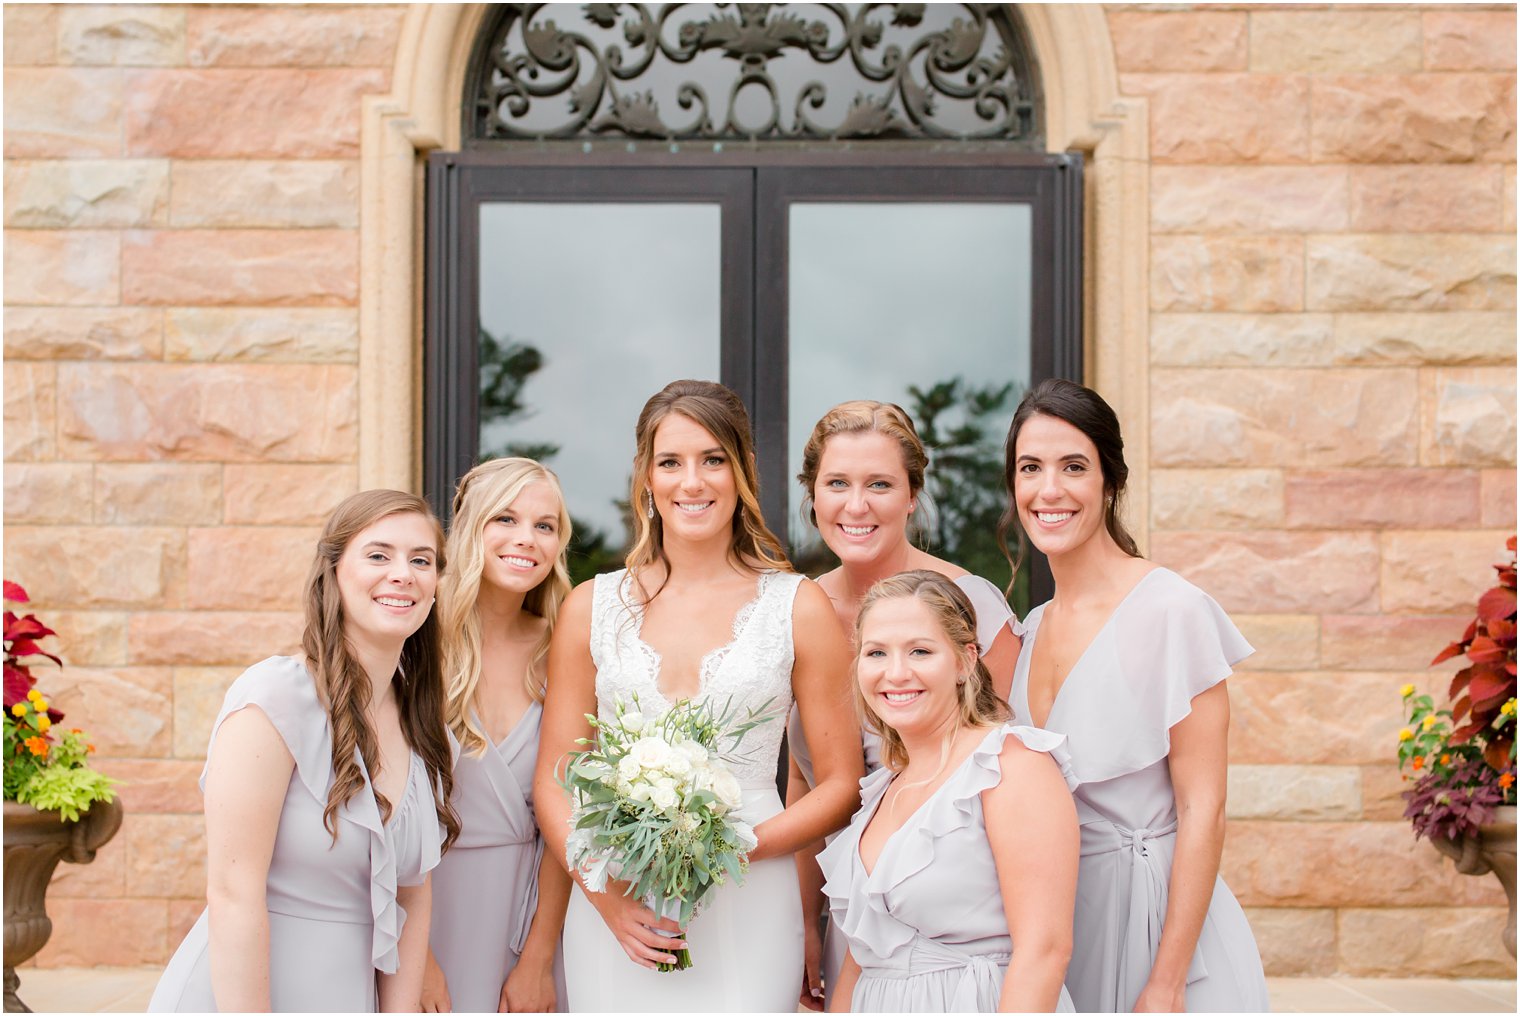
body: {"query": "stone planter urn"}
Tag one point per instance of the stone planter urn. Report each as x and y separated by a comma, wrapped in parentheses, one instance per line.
(1491, 850)
(35, 841)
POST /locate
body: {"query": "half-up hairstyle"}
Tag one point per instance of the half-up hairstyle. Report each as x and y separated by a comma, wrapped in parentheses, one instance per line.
(721, 413)
(484, 494)
(863, 416)
(344, 688)
(1085, 410)
(980, 705)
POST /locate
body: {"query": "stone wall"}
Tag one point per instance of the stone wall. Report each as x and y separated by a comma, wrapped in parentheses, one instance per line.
(1332, 278)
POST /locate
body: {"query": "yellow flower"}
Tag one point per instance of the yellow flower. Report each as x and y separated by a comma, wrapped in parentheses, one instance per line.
(41, 704)
(1406, 734)
(1508, 709)
(34, 695)
(1407, 690)
(19, 709)
(44, 722)
(1428, 722)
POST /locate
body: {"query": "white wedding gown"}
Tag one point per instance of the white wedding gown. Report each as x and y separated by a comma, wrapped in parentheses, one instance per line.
(746, 942)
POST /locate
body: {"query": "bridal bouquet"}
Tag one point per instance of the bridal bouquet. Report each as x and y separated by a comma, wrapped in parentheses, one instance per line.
(652, 804)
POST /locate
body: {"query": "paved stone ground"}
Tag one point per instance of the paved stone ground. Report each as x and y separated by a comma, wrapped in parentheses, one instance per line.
(126, 989)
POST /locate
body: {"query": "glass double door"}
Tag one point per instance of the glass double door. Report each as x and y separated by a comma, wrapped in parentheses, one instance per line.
(562, 297)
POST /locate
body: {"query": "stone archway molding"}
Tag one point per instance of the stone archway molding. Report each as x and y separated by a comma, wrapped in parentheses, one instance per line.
(1084, 112)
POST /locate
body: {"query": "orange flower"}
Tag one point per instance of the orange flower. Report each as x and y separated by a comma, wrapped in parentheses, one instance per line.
(1506, 780)
(75, 730)
(89, 749)
(1446, 760)
(37, 746)
(1417, 763)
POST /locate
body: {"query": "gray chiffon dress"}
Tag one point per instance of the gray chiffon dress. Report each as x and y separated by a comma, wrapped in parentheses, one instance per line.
(333, 916)
(926, 925)
(1166, 642)
(485, 890)
(992, 616)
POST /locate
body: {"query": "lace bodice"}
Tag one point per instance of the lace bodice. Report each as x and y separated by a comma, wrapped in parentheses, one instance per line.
(751, 668)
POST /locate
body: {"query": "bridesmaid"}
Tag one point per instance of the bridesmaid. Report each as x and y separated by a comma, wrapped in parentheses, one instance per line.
(967, 801)
(863, 471)
(498, 902)
(327, 782)
(1129, 660)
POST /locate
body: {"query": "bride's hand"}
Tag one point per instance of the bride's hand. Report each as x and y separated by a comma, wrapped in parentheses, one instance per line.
(634, 924)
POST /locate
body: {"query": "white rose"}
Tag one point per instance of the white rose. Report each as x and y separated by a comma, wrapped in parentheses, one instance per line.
(650, 752)
(726, 788)
(640, 792)
(678, 765)
(628, 768)
(663, 798)
(694, 752)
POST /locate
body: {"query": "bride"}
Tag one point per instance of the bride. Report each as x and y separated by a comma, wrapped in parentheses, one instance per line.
(707, 608)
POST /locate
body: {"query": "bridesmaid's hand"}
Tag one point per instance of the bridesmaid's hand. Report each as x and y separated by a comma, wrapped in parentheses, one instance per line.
(529, 988)
(634, 924)
(811, 998)
(435, 987)
(1156, 998)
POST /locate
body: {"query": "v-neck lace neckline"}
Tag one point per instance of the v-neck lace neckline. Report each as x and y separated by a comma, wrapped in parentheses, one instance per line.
(713, 658)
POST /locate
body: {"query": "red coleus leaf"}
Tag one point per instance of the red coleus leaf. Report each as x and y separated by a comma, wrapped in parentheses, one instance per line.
(1489, 680)
(1502, 632)
(1455, 649)
(1496, 753)
(1486, 650)
(17, 683)
(1497, 604)
(1510, 544)
(1464, 733)
(14, 593)
(1460, 709)
(1459, 682)
(26, 647)
(27, 627)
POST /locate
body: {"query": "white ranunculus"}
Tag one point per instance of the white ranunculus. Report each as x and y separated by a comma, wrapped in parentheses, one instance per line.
(640, 791)
(628, 768)
(694, 752)
(650, 752)
(726, 788)
(633, 722)
(663, 797)
(678, 765)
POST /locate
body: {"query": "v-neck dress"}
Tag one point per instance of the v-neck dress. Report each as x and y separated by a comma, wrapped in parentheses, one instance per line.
(746, 941)
(992, 616)
(485, 890)
(1166, 642)
(926, 924)
(333, 916)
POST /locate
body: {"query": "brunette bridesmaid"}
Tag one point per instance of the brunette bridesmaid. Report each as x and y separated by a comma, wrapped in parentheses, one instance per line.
(498, 902)
(863, 474)
(327, 782)
(1129, 661)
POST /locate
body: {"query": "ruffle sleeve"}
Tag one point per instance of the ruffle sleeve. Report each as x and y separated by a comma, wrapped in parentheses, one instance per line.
(285, 692)
(1168, 642)
(857, 901)
(992, 611)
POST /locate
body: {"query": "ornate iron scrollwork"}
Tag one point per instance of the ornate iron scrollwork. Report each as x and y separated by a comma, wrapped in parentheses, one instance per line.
(754, 72)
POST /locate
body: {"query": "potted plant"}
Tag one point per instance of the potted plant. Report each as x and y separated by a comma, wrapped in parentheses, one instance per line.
(1462, 760)
(56, 806)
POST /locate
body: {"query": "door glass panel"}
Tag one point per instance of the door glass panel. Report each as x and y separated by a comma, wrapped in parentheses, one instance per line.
(928, 306)
(586, 310)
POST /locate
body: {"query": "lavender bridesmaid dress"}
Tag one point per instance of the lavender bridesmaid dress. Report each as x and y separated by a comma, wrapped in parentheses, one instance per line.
(926, 924)
(992, 616)
(1165, 643)
(485, 890)
(333, 916)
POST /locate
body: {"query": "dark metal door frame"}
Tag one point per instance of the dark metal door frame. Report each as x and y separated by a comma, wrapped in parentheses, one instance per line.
(753, 185)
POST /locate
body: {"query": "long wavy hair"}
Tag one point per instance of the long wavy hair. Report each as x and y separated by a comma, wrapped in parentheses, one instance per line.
(344, 688)
(979, 703)
(484, 493)
(1085, 410)
(720, 412)
(863, 416)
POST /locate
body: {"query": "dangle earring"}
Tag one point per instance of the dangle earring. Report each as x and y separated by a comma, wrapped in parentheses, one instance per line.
(648, 504)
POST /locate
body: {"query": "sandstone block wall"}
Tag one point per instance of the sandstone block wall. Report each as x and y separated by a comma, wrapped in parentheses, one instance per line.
(1332, 372)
